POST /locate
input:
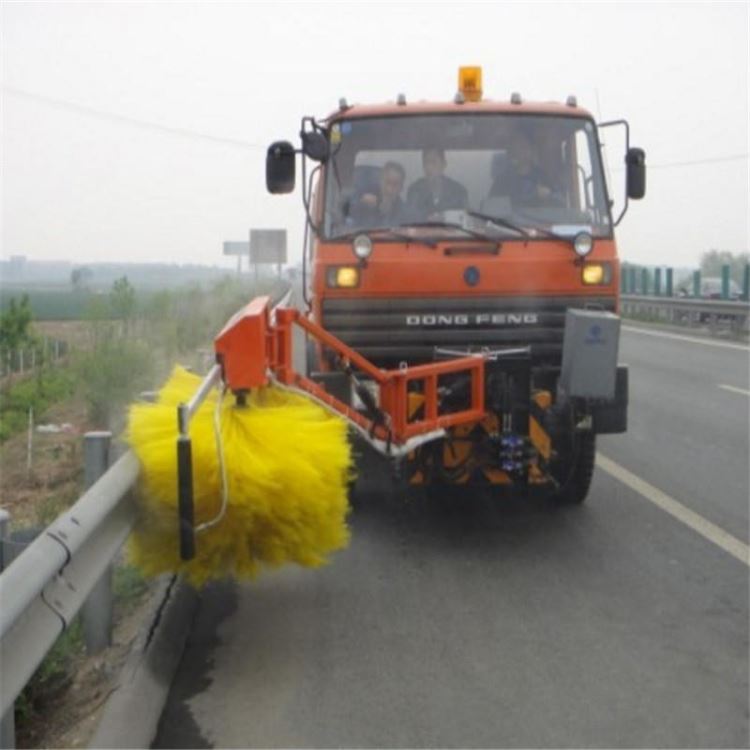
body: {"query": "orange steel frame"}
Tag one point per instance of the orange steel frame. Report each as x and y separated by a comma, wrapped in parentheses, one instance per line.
(251, 344)
(392, 384)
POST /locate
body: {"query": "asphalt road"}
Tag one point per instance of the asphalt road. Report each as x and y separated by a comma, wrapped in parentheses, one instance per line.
(475, 623)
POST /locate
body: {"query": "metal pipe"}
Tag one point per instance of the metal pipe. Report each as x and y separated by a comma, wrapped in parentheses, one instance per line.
(213, 377)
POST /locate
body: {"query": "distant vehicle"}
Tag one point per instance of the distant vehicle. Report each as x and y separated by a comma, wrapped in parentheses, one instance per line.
(711, 288)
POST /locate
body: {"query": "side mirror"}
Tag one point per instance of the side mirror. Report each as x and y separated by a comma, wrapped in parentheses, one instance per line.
(635, 161)
(280, 167)
(315, 145)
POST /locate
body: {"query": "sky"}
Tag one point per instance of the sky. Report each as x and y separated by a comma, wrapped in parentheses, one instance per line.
(219, 81)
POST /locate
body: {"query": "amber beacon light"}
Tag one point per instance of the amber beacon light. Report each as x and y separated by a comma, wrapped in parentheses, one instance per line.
(470, 82)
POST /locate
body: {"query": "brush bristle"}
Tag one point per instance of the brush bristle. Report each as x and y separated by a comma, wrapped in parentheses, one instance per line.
(288, 464)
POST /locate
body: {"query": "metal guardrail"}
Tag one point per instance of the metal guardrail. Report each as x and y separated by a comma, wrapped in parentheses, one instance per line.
(690, 311)
(44, 588)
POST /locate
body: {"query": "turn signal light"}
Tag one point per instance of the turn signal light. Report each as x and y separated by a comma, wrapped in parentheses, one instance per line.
(343, 276)
(596, 273)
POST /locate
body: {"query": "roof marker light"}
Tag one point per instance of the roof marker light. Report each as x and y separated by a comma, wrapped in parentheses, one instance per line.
(515, 98)
(401, 99)
(571, 101)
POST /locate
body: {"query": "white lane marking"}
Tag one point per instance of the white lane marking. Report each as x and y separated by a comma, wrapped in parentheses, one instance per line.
(691, 339)
(677, 510)
(734, 389)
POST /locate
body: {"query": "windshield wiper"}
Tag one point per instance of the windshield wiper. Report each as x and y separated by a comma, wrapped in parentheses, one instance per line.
(510, 225)
(498, 221)
(385, 230)
(450, 225)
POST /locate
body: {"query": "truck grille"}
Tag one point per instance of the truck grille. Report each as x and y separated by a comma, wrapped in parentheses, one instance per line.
(389, 331)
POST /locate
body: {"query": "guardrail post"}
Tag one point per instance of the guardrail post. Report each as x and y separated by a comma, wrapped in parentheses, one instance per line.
(696, 283)
(725, 282)
(96, 612)
(670, 283)
(8, 729)
(8, 721)
(4, 536)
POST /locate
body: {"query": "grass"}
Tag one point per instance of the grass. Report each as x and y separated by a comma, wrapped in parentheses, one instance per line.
(128, 585)
(52, 676)
(39, 392)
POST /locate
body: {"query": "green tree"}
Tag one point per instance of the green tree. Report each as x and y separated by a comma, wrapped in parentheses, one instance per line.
(122, 301)
(112, 373)
(14, 324)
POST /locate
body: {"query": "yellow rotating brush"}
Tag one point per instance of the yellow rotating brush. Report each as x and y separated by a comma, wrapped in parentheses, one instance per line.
(269, 482)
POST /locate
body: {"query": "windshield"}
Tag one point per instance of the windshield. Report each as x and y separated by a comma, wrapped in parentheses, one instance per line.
(531, 172)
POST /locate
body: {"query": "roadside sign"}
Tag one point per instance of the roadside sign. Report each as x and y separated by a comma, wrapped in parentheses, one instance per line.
(236, 248)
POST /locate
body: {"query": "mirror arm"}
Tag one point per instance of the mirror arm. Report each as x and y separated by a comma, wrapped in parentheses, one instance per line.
(614, 123)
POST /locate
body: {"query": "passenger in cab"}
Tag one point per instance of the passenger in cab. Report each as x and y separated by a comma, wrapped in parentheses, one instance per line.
(384, 208)
(434, 193)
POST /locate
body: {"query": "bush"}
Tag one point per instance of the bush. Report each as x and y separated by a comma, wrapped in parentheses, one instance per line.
(112, 373)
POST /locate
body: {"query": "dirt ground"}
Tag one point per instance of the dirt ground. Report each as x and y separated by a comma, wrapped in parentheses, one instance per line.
(36, 495)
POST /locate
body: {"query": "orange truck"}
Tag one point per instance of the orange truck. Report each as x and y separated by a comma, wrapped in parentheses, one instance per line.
(461, 279)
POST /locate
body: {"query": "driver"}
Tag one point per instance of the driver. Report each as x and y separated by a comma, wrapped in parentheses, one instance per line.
(434, 193)
(522, 179)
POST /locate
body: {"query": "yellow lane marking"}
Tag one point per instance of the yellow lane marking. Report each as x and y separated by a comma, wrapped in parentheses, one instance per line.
(691, 339)
(677, 510)
(734, 389)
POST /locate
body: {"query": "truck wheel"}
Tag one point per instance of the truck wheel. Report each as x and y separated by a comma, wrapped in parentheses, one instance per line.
(576, 488)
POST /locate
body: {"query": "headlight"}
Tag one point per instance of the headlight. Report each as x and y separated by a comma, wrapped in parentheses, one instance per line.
(596, 273)
(362, 246)
(343, 276)
(583, 244)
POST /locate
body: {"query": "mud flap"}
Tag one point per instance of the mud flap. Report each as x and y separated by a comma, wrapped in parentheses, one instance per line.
(612, 417)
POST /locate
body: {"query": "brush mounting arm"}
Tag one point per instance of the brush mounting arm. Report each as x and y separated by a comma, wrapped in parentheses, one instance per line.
(255, 348)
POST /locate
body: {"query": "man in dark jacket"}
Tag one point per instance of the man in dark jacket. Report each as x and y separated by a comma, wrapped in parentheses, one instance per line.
(434, 193)
(383, 208)
(522, 179)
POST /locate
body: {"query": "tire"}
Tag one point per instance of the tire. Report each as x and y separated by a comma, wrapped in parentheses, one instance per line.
(311, 358)
(576, 488)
